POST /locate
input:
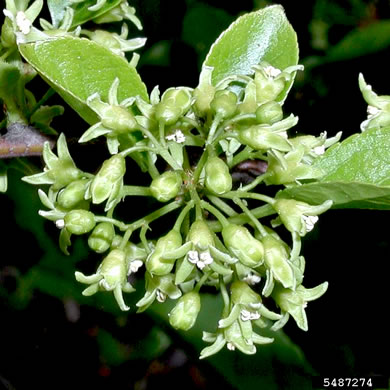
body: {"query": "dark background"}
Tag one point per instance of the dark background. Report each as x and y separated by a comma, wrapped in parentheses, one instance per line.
(52, 338)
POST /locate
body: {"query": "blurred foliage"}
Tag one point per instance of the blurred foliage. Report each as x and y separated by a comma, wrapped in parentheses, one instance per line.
(49, 327)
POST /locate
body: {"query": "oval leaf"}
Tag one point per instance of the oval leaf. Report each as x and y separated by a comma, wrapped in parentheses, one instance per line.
(357, 173)
(264, 35)
(343, 194)
(76, 68)
(363, 157)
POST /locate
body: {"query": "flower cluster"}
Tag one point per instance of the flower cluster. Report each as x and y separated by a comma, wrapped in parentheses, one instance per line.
(222, 236)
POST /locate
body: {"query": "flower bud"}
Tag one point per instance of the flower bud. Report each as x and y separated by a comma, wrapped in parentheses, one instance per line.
(79, 221)
(299, 216)
(108, 180)
(166, 186)
(155, 263)
(7, 34)
(101, 237)
(201, 235)
(64, 173)
(268, 85)
(218, 179)
(242, 294)
(185, 313)
(243, 245)
(260, 138)
(224, 103)
(73, 194)
(174, 103)
(204, 92)
(118, 119)
(276, 259)
(269, 113)
(113, 269)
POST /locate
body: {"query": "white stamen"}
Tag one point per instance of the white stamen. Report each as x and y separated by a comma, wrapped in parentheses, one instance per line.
(309, 221)
(193, 257)
(247, 315)
(60, 223)
(319, 150)
(135, 265)
(177, 136)
(251, 279)
(230, 346)
(161, 296)
(272, 72)
(23, 23)
(371, 110)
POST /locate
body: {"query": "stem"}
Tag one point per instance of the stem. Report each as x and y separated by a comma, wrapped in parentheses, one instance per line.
(120, 225)
(255, 221)
(198, 208)
(142, 236)
(225, 297)
(135, 191)
(296, 247)
(222, 205)
(255, 182)
(201, 281)
(258, 212)
(199, 167)
(159, 149)
(213, 128)
(182, 215)
(221, 218)
(153, 171)
(195, 124)
(155, 215)
(49, 93)
(125, 238)
(128, 151)
(249, 195)
(161, 131)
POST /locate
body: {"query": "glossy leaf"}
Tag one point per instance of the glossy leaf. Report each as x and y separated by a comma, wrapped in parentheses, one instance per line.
(76, 68)
(82, 14)
(344, 194)
(264, 35)
(357, 173)
(363, 157)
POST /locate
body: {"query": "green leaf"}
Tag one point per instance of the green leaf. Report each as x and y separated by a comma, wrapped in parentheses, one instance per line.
(82, 14)
(363, 157)
(344, 194)
(360, 42)
(76, 68)
(357, 173)
(264, 35)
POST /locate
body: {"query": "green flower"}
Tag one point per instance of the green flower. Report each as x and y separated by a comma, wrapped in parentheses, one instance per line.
(110, 276)
(116, 121)
(59, 170)
(158, 287)
(378, 107)
(298, 217)
(294, 302)
(289, 168)
(185, 313)
(117, 43)
(217, 176)
(108, 182)
(166, 186)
